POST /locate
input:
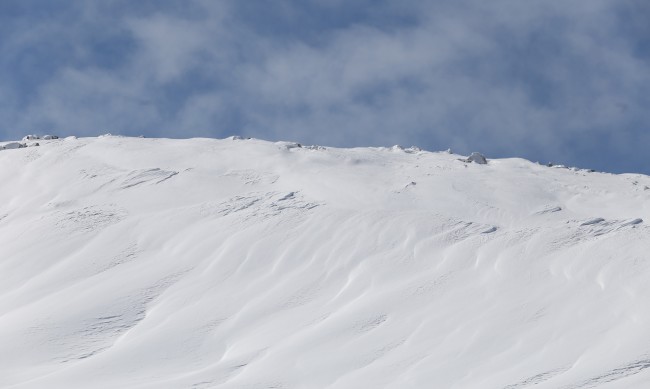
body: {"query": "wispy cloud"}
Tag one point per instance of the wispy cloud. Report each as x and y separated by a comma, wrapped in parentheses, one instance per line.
(539, 79)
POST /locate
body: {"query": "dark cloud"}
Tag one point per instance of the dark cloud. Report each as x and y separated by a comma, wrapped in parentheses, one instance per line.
(544, 80)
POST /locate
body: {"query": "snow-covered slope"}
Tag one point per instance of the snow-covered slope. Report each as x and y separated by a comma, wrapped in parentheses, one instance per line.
(152, 263)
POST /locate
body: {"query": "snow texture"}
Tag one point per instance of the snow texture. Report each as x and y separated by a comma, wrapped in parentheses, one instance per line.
(238, 263)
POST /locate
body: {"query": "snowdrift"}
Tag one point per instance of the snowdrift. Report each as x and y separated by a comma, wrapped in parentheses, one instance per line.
(239, 263)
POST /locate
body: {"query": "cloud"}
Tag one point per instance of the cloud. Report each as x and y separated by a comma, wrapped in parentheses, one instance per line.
(539, 79)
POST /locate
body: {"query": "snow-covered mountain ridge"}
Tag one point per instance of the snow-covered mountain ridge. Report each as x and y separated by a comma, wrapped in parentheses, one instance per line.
(202, 263)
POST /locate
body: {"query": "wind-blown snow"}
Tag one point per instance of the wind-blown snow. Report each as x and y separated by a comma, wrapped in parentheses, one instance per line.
(153, 263)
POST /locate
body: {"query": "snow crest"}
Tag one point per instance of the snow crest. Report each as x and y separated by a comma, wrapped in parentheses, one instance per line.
(239, 263)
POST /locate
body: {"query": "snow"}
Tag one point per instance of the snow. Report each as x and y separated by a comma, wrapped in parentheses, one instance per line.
(593, 221)
(477, 158)
(288, 145)
(202, 263)
(12, 146)
(37, 137)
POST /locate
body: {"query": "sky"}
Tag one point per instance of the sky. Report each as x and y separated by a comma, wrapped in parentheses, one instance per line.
(551, 81)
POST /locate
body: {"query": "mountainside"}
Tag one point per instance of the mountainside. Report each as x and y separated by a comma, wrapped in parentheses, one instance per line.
(201, 263)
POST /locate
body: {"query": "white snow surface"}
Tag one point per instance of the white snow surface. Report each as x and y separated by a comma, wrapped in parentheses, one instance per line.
(202, 263)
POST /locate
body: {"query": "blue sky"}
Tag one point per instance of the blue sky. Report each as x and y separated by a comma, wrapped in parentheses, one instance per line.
(561, 81)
